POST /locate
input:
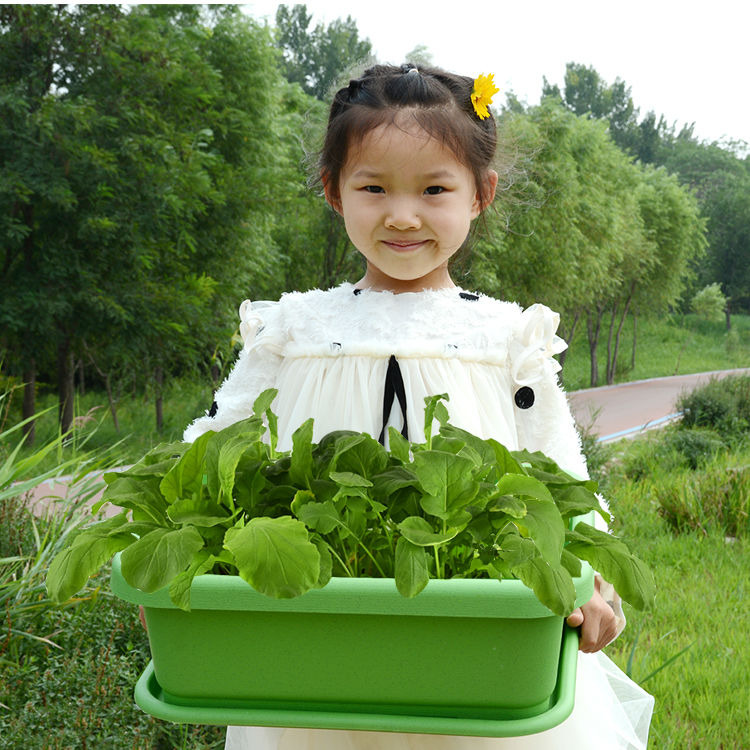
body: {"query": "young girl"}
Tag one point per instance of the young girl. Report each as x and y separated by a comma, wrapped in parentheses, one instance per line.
(407, 162)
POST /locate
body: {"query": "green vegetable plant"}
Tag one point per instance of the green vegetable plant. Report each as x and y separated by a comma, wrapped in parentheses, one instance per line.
(453, 506)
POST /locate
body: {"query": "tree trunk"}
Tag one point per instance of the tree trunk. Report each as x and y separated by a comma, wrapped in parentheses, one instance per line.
(81, 377)
(569, 339)
(728, 316)
(635, 331)
(112, 404)
(65, 385)
(29, 400)
(611, 362)
(593, 325)
(611, 375)
(159, 382)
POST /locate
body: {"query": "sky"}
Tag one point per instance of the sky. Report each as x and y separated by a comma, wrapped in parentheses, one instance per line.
(685, 60)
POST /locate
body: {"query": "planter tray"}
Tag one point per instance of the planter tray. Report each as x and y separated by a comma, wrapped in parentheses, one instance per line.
(151, 698)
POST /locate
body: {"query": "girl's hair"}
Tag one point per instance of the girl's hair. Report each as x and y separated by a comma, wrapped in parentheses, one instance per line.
(438, 101)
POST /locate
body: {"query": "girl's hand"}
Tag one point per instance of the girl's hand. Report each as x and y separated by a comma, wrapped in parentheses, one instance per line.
(597, 620)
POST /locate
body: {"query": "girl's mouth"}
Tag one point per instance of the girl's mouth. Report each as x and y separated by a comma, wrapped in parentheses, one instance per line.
(404, 246)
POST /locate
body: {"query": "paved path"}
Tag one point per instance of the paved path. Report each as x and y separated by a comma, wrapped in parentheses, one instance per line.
(616, 411)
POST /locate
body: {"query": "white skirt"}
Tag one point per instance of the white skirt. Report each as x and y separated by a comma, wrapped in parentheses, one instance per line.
(611, 713)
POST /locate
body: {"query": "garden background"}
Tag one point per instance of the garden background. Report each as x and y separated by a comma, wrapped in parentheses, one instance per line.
(155, 163)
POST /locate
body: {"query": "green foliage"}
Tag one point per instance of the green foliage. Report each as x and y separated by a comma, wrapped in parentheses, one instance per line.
(139, 167)
(285, 522)
(722, 405)
(585, 93)
(316, 58)
(709, 302)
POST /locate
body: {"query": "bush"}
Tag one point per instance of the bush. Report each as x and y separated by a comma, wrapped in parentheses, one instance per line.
(722, 405)
(715, 498)
(709, 303)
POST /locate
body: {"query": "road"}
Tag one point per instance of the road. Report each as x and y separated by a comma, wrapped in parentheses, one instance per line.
(623, 410)
(610, 412)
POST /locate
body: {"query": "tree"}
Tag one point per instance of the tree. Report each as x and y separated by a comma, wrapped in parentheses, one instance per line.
(316, 58)
(139, 176)
(589, 232)
(586, 93)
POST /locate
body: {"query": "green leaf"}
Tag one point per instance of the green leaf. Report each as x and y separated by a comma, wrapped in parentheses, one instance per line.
(197, 512)
(262, 405)
(504, 460)
(447, 481)
(275, 556)
(179, 589)
(92, 548)
(137, 493)
(322, 517)
(326, 563)
(418, 531)
(389, 482)
(349, 479)
(430, 405)
(571, 563)
(411, 571)
(230, 454)
(156, 558)
(300, 469)
(544, 524)
(576, 501)
(186, 476)
(552, 584)
(399, 446)
(516, 550)
(630, 576)
(365, 457)
(520, 484)
(263, 402)
(512, 506)
(483, 453)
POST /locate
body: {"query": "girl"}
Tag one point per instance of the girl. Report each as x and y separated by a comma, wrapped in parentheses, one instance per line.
(407, 162)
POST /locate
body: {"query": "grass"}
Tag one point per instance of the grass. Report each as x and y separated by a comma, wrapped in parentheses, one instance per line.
(668, 345)
(680, 497)
(66, 674)
(700, 617)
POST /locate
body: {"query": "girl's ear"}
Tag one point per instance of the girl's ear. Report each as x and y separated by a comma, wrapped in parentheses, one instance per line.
(331, 193)
(486, 193)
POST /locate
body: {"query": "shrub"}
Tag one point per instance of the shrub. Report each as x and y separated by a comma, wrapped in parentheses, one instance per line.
(717, 497)
(722, 405)
(669, 449)
(709, 302)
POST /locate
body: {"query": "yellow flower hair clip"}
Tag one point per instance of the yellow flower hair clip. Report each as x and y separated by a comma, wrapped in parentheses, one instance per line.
(481, 96)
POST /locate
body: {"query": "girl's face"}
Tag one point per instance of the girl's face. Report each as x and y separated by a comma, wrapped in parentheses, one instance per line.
(407, 203)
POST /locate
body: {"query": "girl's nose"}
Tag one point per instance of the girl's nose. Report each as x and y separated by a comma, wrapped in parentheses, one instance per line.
(401, 215)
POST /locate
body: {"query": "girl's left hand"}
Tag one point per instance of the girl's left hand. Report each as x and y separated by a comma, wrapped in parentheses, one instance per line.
(597, 621)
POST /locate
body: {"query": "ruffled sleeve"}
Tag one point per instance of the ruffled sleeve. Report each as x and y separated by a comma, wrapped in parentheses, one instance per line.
(263, 335)
(543, 418)
(533, 345)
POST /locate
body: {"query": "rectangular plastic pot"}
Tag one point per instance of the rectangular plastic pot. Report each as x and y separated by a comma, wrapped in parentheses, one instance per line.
(473, 649)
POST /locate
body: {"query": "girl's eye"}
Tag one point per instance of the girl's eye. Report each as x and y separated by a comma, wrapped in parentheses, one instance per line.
(434, 190)
(374, 189)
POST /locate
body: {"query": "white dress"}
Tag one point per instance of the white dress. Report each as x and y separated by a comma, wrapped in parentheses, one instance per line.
(348, 358)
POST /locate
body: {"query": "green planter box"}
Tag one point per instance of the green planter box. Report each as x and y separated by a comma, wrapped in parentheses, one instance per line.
(474, 657)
